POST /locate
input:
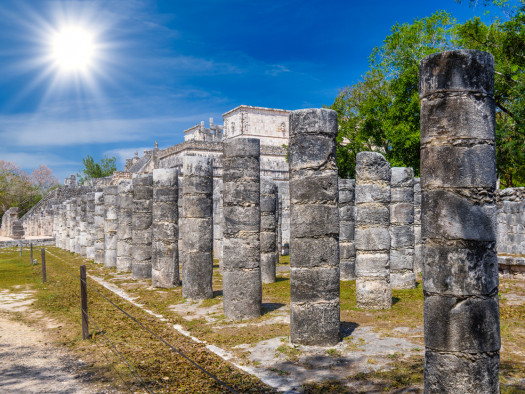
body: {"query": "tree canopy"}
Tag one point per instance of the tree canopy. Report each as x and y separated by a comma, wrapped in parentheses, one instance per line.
(22, 190)
(106, 167)
(381, 112)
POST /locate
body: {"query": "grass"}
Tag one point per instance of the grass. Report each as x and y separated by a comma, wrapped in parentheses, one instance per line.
(59, 298)
(162, 369)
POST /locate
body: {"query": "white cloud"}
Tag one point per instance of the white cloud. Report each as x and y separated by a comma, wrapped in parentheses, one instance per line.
(21, 130)
(30, 161)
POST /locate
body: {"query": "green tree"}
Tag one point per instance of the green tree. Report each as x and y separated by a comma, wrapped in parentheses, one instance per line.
(505, 39)
(19, 189)
(106, 167)
(381, 112)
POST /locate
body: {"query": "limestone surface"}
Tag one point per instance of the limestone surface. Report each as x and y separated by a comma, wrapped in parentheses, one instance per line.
(314, 230)
(460, 276)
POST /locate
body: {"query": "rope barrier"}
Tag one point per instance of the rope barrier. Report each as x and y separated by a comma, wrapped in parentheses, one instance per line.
(147, 329)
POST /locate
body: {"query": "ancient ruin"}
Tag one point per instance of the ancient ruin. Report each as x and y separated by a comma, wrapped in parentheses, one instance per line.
(314, 248)
(458, 180)
(196, 227)
(372, 236)
(268, 234)
(141, 250)
(402, 229)
(347, 228)
(242, 286)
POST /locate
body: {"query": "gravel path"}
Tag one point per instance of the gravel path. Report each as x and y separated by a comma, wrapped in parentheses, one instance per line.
(29, 363)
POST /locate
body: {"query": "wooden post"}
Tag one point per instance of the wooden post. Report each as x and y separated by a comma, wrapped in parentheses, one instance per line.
(31, 248)
(83, 302)
(43, 252)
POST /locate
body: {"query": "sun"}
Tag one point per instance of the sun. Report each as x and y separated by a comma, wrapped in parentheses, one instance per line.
(73, 49)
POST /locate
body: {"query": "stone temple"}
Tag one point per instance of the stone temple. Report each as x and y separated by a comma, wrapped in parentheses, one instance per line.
(270, 126)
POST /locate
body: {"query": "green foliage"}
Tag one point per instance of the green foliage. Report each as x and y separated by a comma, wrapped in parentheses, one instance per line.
(381, 112)
(505, 39)
(106, 167)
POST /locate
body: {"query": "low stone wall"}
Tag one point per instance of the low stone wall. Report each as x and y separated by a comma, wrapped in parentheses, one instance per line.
(45, 241)
(511, 231)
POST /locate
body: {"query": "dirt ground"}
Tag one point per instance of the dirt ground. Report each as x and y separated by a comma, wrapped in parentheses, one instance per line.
(29, 362)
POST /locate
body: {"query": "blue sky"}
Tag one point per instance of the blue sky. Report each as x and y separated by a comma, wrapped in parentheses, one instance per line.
(162, 66)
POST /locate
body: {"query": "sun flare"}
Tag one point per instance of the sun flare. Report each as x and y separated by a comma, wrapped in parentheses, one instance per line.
(73, 49)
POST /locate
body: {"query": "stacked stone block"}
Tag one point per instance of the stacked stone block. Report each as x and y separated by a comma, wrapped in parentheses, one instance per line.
(314, 228)
(124, 231)
(511, 232)
(77, 224)
(71, 224)
(90, 223)
(242, 287)
(418, 247)
(165, 258)
(402, 229)
(458, 178)
(196, 227)
(83, 226)
(142, 232)
(110, 226)
(99, 228)
(268, 236)
(279, 226)
(347, 228)
(372, 237)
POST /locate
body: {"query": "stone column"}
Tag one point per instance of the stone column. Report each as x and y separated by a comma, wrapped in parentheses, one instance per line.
(268, 235)
(165, 258)
(124, 231)
(401, 229)
(314, 228)
(90, 221)
(242, 286)
(78, 223)
(347, 228)
(99, 228)
(458, 179)
(83, 225)
(71, 212)
(110, 226)
(142, 220)
(418, 256)
(196, 227)
(372, 237)
(279, 226)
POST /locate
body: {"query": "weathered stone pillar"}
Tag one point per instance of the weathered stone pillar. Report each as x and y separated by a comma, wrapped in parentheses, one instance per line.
(242, 286)
(71, 212)
(78, 223)
(458, 179)
(314, 228)
(165, 258)
(196, 227)
(99, 228)
(347, 228)
(418, 256)
(401, 229)
(372, 237)
(83, 225)
(125, 228)
(142, 220)
(279, 226)
(268, 235)
(90, 222)
(110, 226)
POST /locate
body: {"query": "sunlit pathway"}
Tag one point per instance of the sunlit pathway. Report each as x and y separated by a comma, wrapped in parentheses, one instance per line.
(28, 364)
